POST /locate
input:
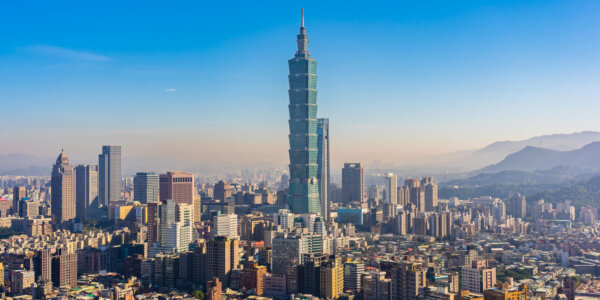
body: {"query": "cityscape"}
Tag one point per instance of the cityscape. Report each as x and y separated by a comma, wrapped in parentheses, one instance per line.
(514, 220)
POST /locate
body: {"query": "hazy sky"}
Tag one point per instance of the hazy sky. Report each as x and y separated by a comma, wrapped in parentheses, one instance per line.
(207, 83)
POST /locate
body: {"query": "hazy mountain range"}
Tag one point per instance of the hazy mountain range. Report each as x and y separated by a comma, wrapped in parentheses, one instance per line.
(586, 159)
(578, 152)
(470, 160)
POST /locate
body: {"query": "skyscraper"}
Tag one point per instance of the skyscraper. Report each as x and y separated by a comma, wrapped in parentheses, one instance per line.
(173, 227)
(109, 172)
(407, 279)
(352, 183)
(518, 206)
(222, 191)
(86, 191)
(19, 192)
(303, 194)
(225, 225)
(178, 186)
(353, 271)
(63, 190)
(145, 187)
(43, 265)
(332, 278)
(391, 191)
(64, 268)
(223, 255)
(323, 158)
(431, 194)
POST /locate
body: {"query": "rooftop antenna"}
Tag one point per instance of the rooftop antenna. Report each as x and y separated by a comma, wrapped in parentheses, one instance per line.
(302, 24)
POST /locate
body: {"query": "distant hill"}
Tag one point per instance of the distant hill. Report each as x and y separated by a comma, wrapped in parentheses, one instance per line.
(512, 177)
(529, 159)
(25, 164)
(30, 171)
(469, 160)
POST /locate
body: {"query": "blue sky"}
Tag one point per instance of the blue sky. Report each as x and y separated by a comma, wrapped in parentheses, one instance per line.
(207, 82)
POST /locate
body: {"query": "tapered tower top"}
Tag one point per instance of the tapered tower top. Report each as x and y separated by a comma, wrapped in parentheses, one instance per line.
(302, 38)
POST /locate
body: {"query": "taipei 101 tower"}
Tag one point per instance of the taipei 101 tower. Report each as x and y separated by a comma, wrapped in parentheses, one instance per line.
(303, 194)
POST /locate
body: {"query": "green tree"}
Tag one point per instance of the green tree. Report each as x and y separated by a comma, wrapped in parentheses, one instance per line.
(198, 294)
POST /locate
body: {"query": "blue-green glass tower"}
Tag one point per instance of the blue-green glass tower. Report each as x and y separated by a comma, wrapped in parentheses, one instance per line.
(303, 194)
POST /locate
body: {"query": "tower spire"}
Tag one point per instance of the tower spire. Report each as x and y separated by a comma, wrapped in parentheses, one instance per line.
(302, 37)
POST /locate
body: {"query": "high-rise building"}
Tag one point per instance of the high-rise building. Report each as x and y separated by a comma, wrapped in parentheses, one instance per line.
(431, 194)
(222, 191)
(403, 195)
(252, 278)
(178, 186)
(197, 208)
(29, 209)
(167, 217)
(412, 183)
(287, 251)
(352, 183)
(407, 279)
(518, 206)
(440, 224)
(401, 222)
(391, 190)
(42, 265)
(174, 231)
(19, 192)
(308, 274)
(353, 271)
(478, 278)
(109, 175)
(331, 278)
(145, 187)
(63, 190)
(323, 159)
(284, 219)
(21, 280)
(64, 268)
(86, 191)
(303, 193)
(223, 255)
(417, 197)
(153, 221)
(225, 225)
(376, 286)
(213, 290)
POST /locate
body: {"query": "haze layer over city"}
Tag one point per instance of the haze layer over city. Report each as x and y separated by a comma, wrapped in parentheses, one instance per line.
(410, 150)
